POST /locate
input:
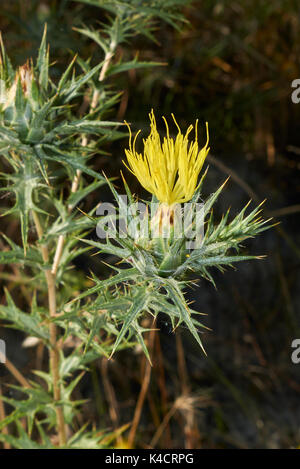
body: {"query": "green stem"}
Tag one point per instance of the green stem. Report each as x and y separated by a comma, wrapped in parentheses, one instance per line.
(54, 350)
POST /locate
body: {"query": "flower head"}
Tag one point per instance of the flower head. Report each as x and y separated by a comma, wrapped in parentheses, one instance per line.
(25, 74)
(168, 169)
(8, 92)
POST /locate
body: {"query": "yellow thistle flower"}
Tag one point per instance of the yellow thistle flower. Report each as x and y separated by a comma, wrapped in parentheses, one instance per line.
(170, 169)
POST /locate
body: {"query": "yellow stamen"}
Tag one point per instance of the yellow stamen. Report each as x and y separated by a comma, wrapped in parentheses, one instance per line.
(168, 169)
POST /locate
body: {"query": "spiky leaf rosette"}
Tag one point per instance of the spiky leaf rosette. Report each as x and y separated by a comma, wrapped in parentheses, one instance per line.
(161, 267)
(38, 130)
(35, 113)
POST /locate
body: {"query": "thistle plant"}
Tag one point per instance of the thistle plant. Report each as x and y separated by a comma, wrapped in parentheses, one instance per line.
(47, 147)
(164, 254)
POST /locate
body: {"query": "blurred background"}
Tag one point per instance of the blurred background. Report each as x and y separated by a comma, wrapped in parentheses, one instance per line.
(232, 65)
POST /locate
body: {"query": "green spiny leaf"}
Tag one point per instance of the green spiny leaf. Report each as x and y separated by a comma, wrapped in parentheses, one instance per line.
(139, 304)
